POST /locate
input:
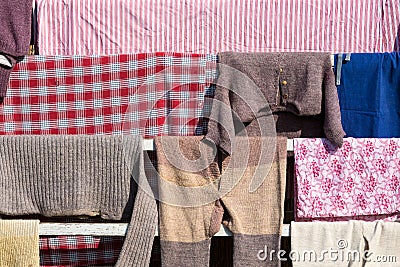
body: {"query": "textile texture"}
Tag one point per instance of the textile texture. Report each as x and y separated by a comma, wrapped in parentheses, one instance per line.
(19, 243)
(14, 35)
(88, 27)
(60, 251)
(358, 181)
(144, 94)
(86, 175)
(352, 243)
(47, 97)
(369, 95)
(255, 217)
(297, 88)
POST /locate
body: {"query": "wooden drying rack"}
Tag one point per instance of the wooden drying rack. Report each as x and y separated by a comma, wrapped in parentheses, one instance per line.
(120, 229)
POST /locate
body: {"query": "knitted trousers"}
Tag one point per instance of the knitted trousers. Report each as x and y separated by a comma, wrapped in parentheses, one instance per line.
(254, 217)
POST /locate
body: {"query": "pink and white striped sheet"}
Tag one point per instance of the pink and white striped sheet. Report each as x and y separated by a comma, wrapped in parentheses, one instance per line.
(84, 27)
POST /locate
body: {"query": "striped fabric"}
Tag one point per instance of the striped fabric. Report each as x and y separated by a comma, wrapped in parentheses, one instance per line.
(86, 27)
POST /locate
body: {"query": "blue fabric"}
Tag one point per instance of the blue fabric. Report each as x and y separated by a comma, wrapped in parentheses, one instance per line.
(369, 95)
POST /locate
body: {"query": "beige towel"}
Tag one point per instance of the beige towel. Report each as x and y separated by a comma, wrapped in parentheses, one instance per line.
(383, 243)
(326, 244)
(352, 243)
(19, 243)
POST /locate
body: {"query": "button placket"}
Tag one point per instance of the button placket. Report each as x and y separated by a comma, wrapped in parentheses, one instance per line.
(283, 86)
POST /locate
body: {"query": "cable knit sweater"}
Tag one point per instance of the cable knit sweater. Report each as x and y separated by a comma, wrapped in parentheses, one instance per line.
(298, 89)
(15, 33)
(60, 175)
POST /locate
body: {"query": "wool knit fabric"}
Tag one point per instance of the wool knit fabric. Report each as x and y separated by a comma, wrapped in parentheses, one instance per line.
(19, 243)
(255, 218)
(15, 33)
(61, 175)
(298, 89)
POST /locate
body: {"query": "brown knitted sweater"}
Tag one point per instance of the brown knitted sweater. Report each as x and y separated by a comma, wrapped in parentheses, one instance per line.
(60, 175)
(298, 89)
(15, 34)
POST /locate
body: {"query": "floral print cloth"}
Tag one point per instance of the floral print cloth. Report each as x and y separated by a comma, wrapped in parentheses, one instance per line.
(361, 180)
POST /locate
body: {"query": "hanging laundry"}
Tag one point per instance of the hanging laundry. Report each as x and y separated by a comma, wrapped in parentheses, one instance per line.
(255, 218)
(144, 94)
(298, 89)
(81, 175)
(19, 243)
(96, 95)
(88, 27)
(369, 94)
(358, 181)
(79, 250)
(342, 244)
(15, 34)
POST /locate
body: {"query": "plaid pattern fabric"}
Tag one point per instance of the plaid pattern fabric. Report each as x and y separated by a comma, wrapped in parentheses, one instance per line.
(66, 251)
(147, 94)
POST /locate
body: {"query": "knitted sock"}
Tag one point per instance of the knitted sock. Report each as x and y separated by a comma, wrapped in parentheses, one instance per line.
(185, 232)
(256, 217)
(19, 243)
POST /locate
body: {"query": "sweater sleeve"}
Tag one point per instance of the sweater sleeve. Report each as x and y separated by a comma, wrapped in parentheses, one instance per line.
(332, 118)
(139, 238)
(221, 126)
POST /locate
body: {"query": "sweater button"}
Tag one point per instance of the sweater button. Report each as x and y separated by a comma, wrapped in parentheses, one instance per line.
(285, 96)
(280, 70)
(284, 82)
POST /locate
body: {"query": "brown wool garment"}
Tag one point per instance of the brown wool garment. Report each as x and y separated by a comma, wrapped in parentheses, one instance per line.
(298, 88)
(15, 34)
(256, 217)
(58, 175)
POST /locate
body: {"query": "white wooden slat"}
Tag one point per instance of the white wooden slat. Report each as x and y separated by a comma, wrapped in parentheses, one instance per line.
(109, 229)
(148, 144)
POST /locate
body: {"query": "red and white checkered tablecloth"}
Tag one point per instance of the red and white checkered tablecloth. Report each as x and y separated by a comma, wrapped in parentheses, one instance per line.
(148, 94)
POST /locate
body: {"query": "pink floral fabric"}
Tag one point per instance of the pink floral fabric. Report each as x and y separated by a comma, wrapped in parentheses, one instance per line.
(361, 180)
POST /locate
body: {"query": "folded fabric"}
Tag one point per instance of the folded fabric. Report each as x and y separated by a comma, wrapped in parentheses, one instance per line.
(369, 94)
(15, 34)
(145, 94)
(130, 26)
(297, 88)
(81, 175)
(79, 250)
(360, 179)
(19, 243)
(340, 244)
(254, 217)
